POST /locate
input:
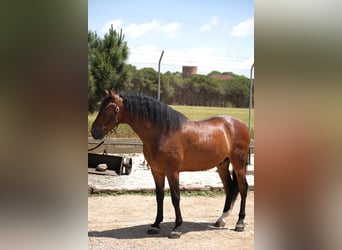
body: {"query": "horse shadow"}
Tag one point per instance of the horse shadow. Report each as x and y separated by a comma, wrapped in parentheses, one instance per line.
(140, 231)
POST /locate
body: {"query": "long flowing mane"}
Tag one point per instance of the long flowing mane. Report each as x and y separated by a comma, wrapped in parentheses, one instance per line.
(156, 112)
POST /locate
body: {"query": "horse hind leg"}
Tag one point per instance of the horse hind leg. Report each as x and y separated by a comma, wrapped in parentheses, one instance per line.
(231, 190)
(239, 167)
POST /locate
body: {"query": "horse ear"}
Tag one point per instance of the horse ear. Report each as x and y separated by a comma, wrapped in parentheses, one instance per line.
(111, 93)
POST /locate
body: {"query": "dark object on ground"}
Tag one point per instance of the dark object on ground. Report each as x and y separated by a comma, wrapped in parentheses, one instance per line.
(121, 165)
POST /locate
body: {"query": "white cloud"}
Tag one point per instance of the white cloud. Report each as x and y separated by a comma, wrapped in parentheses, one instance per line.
(170, 29)
(243, 29)
(206, 59)
(135, 30)
(210, 24)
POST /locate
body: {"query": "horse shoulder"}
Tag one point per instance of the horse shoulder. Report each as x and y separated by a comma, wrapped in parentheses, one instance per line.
(171, 145)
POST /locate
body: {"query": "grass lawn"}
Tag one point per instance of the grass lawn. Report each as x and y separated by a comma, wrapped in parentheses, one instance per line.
(192, 112)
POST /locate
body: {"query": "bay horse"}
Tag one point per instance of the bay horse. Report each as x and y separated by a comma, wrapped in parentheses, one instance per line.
(172, 143)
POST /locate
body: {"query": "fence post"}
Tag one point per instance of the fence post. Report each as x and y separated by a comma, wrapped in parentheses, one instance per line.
(159, 74)
(250, 109)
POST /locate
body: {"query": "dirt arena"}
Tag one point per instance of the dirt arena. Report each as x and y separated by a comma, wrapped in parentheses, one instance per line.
(121, 222)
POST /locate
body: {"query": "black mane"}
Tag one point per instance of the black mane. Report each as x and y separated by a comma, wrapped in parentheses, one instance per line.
(157, 112)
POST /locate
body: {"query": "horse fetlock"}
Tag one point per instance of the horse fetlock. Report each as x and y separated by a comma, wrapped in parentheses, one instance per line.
(240, 226)
(158, 220)
(175, 233)
(153, 230)
(220, 223)
(178, 223)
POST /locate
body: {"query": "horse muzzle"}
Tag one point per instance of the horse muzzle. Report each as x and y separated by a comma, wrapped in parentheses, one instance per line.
(98, 133)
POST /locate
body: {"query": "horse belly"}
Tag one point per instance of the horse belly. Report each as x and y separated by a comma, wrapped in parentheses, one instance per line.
(204, 159)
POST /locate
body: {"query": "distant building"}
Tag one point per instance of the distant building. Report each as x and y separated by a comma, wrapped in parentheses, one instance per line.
(188, 71)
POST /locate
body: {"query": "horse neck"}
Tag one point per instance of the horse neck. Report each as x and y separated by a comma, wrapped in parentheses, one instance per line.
(142, 127)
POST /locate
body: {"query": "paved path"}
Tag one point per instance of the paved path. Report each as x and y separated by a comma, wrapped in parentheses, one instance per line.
(141, 178)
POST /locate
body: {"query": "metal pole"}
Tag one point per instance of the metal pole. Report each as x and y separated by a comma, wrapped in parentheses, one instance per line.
(250, 99)
(250, 108)
(159, 74)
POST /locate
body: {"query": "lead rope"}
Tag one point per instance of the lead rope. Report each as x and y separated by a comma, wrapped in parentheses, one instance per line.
(98, 145)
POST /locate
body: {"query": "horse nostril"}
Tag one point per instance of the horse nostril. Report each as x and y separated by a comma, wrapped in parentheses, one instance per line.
(97, 133)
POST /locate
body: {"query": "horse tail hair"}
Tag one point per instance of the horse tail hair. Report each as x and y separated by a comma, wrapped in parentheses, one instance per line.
(235, 182)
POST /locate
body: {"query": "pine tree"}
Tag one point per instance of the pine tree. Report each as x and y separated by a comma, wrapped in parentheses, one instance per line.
(106, 65)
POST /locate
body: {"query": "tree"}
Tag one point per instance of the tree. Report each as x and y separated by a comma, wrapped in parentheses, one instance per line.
(149, 82)
(168, 82)
(214, 72)
(106, 65)
(91, 91)
(236, 91)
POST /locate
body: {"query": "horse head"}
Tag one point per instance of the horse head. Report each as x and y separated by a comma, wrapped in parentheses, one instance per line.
(107, 118)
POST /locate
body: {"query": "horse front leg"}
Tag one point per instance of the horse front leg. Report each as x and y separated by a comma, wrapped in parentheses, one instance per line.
(159, 180)
(173, 179)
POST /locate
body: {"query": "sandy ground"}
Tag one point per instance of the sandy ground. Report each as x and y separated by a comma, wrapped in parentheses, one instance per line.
(121, 222)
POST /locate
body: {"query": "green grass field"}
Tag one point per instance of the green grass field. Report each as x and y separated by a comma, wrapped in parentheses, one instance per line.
(192, 112)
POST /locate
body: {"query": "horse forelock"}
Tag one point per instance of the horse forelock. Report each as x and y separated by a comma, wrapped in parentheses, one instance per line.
(158, 113)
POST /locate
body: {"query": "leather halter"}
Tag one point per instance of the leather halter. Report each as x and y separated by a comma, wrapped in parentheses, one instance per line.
(116, 115)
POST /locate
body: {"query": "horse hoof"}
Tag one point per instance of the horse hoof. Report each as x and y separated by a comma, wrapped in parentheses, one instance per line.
(220, 223)
(153, 230)
(239, 227)
(175, 235)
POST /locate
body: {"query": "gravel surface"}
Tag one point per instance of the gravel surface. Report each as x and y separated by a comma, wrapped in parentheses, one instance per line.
(141, 178)
(121, 222)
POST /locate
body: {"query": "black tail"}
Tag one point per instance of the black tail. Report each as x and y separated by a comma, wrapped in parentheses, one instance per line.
(235, 187)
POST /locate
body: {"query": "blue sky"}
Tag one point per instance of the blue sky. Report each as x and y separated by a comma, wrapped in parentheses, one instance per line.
(212, 35)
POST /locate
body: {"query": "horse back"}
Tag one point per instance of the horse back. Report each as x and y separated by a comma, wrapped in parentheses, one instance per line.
(201, 145)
